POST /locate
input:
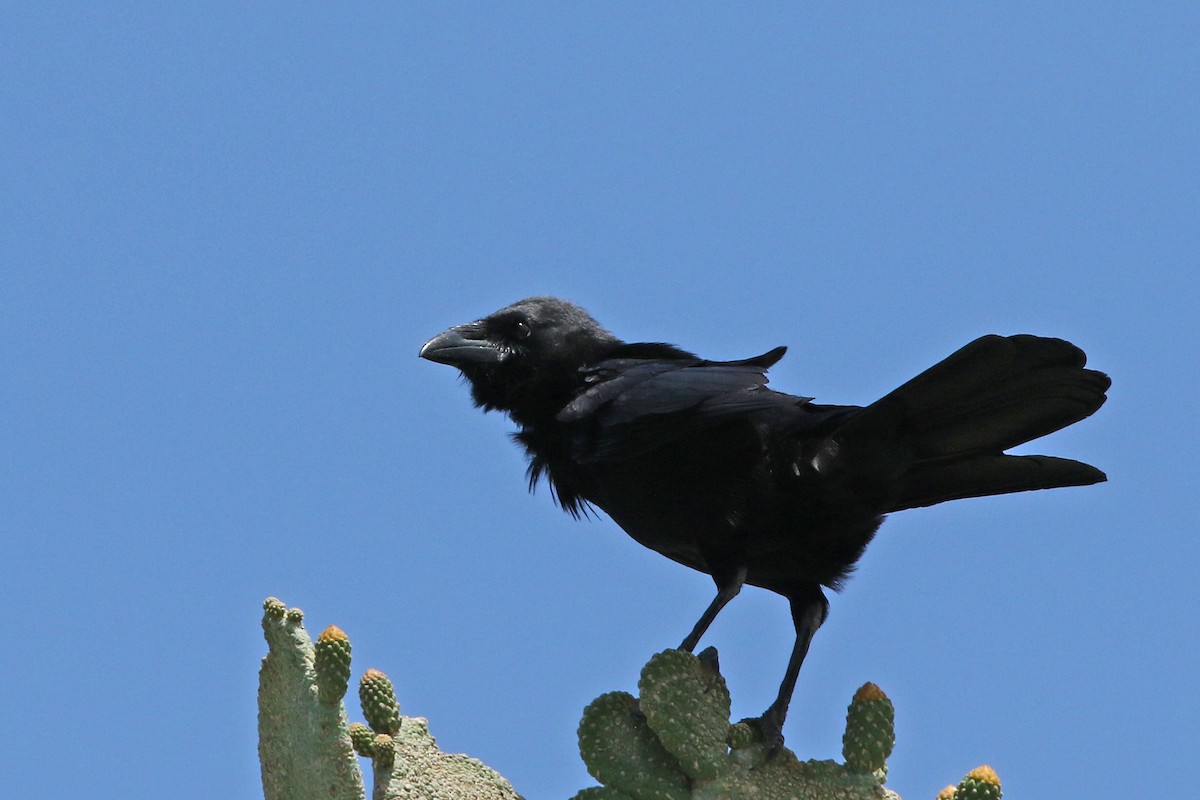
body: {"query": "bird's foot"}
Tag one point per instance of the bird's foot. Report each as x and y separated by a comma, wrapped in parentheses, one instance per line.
(769, 728)
(709, 661)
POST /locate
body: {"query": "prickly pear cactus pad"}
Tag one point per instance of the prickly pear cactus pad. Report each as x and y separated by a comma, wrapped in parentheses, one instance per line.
(363, 739)
(332, 664)
(383, 751)
(620, 750)
(694, 733)
(981, 783)
(870, 731)
(676, 742)
(303, 744)
(379, 704)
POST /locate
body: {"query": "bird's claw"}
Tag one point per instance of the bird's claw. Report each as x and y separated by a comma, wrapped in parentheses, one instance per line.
(709, 661)
(770, 731)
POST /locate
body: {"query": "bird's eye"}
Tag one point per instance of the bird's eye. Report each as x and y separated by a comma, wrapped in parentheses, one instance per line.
(522, 330)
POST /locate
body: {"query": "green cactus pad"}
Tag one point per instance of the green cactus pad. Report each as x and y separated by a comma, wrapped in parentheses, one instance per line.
(981, 783)
(295, 616)
(600, 793)
(622, 752)
(363, 739)
(687, 706)
(379, 704)
(274, 607)
(332, 663)
(870, 731)
(383, 751)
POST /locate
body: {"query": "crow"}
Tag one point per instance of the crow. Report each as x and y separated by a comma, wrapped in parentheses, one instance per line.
(701, 462)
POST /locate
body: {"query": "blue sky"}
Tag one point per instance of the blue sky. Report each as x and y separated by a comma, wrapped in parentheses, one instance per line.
(225, 231)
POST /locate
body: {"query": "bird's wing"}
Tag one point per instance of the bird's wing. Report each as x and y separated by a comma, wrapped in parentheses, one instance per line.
(635, 405)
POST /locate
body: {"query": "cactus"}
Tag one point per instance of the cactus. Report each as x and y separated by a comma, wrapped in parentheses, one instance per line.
(363, 739)
(694, 733)
(601, 793)
(332, 663)
(870, 733)
(420, 770)
(383, 751)
(379, 704)
(303, 744)
(621, 750)
(273, 607)
(981, 783)
(307, 745)
(676, 742)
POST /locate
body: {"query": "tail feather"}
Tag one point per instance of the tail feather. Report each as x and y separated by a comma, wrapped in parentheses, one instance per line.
(1019, 409)
(996, 393)
(946, 430)
(929, 484)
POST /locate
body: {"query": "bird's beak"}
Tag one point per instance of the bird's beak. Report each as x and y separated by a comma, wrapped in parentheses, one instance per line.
(460, 346)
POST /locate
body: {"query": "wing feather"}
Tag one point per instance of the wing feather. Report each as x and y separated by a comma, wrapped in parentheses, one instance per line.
(636, 405)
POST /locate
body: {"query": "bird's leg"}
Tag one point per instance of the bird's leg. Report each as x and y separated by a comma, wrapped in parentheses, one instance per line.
(809, 608)
(728, 586)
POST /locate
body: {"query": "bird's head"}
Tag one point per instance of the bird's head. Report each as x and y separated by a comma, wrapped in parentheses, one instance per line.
(525, 358)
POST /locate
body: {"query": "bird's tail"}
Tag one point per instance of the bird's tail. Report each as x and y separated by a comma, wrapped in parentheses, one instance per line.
(954, 421)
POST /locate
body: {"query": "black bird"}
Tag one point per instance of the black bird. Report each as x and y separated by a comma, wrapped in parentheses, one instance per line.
(700, 461)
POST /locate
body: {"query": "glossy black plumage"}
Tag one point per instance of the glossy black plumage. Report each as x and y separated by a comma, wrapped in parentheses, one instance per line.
(702, 462)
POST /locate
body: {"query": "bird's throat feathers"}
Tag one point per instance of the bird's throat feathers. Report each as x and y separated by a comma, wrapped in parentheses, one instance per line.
(548, 458)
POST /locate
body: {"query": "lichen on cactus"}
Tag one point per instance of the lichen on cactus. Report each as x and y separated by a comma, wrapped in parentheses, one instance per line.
(981, 783)
(420, 770)
(870, 731)
(379, 704)
(332, 662)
